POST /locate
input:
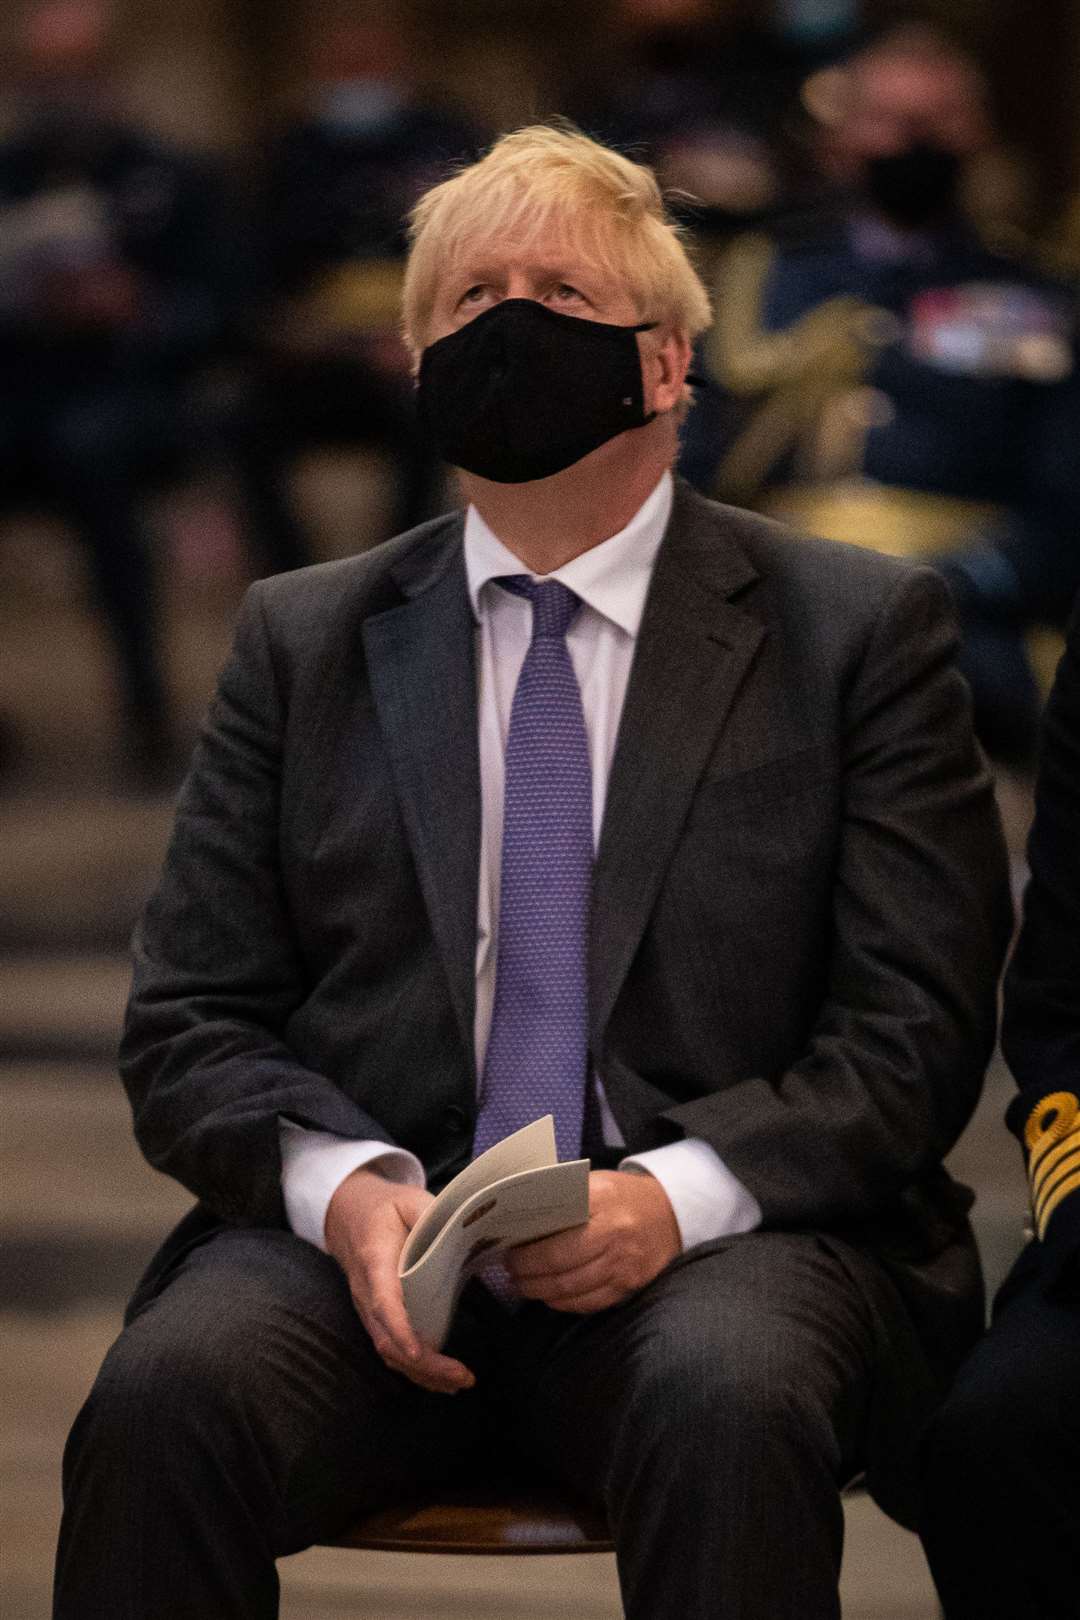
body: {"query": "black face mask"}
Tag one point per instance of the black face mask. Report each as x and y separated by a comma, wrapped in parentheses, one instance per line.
(916, 186)
(522, 391)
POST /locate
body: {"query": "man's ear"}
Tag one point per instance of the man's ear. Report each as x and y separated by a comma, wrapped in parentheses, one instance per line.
(664, 368)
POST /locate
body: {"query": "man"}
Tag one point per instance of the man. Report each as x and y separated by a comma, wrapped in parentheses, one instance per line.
(1002, 1531)
(765, 1008)
(112, 293)
(885, 377)
(327, 359)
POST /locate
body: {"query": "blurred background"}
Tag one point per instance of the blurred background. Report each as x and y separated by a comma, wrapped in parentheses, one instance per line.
(201, 382)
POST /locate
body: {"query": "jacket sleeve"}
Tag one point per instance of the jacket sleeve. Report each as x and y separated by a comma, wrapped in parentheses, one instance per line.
(218, 972)
(1041, 1031)
(920, 915)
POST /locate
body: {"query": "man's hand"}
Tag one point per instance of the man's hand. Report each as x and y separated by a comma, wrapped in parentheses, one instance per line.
(367, 1223)
(630, 1236)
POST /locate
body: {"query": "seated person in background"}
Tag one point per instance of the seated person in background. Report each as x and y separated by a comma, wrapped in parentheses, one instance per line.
(111, 297)
(888, 379)
(328, 366)
(1002, 1530)
(708, 99)
(383, 940)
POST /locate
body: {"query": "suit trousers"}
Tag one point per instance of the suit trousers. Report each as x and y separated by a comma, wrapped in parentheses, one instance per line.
(1002, 1522)
(243, 1415)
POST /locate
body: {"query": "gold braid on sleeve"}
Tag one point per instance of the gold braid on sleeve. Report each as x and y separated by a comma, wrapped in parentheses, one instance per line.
(790, 373)
(1052, 1135)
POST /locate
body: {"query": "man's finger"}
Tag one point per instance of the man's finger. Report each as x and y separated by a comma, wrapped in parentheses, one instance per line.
(440, 1374)
(396, 1343)
(551, 1287)
(549, 1257)
(387, 1345)
(386, 1308)
(425, 1366)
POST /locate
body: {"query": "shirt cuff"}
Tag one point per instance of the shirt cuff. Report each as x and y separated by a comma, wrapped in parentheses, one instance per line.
(315, 1163)
(708, 1201)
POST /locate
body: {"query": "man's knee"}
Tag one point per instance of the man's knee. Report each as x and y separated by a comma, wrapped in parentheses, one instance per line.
(217, 1351)
(729, 1388)
(1000, 1410)
(160, 1389)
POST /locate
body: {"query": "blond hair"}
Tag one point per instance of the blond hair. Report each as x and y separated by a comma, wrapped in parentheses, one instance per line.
(551, 181)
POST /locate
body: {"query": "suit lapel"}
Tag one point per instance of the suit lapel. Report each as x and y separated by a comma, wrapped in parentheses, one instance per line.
(694, 648)
(421, 662)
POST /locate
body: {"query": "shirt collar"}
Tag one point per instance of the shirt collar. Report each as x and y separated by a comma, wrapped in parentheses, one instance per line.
(611, 578)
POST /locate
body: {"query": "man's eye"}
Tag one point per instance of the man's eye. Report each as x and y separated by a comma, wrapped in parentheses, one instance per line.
(473, 295)
(566, 293)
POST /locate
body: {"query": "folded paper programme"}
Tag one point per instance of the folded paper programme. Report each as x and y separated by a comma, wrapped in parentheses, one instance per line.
(514, 1193)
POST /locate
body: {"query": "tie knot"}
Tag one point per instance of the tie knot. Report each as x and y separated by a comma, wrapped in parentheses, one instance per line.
(553, 603)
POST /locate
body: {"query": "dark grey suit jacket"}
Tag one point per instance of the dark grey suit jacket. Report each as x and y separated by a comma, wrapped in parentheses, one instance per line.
(800, 896)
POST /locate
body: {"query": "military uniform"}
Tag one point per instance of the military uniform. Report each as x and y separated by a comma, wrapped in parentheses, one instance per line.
(917, 394)
(331, 251)
(1002, 1530)
(94, 397)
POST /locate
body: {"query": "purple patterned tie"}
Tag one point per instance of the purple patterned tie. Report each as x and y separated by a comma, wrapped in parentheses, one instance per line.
(538, 1049)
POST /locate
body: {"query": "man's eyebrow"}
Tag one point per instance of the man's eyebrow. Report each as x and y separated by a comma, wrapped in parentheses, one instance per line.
(469, 273)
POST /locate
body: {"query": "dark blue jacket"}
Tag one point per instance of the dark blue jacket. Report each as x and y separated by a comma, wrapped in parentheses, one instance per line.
(958, 429)
(1041, 1032)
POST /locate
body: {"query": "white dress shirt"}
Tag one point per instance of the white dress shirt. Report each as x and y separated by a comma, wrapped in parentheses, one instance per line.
(612, 581)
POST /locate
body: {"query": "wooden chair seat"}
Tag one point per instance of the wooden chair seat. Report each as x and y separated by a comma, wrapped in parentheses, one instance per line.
(518, 1519)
